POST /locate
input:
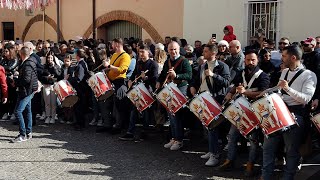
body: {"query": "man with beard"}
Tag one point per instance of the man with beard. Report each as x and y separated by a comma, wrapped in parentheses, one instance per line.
(251, 82)
(298, 86)
(198, 48)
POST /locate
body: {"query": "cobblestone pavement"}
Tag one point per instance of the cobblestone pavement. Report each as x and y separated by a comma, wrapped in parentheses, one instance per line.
(58, 152)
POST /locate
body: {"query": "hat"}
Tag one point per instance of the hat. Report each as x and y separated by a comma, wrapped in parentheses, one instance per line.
(310, 40)
(223, 43)
(160, 46)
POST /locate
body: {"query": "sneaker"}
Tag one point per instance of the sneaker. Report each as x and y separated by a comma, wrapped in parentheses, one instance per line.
(213, 160)
(29, 136)
(56, 117)
(69, 122)
(127, 137)
(169, 144)
(47, 121)
(52, 120)
(5, 116)
(93, 122)
(176, 146)
(100, 123)
(13, 117)
(206, 156)
(19, 138)
(227, 165)
(62, 121)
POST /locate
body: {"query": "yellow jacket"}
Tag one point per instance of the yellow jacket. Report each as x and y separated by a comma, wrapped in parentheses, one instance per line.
(122, 63)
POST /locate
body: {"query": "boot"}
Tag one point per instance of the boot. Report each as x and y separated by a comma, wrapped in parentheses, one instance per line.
(249, 169)
(226, 166)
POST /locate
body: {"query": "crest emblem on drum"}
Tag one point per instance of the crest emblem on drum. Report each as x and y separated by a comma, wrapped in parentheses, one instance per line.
(234, 116)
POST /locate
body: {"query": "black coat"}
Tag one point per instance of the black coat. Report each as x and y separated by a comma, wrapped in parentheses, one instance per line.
(152, 74)
(27, 81)
(51, 70)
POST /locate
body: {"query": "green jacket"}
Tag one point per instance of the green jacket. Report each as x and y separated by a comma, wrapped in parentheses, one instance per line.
(183, 71)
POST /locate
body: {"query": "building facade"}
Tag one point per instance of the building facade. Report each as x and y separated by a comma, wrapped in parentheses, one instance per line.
(190, 19)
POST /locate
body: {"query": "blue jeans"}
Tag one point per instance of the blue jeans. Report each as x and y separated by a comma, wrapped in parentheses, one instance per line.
(234, 135)
(292, 140)
(176, 120)
(134, 115)
(24, 104)
(213, 141)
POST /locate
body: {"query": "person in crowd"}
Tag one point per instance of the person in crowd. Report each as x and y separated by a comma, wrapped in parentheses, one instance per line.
(223, 50)
(265, 63)
(50, 75)
(151, 46)
(149, 79)
(116, 71)
(133, 61)
(213, 77)
(167, 41)
(178, 70)
(250, 84)
(229, 34)
(198, 48)
(3, 89)
(27, 84)
(276, 55)
(236, 60)
(10, 63)
(296, 95)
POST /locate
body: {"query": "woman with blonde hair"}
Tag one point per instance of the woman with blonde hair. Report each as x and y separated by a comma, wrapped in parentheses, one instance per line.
(160, 56)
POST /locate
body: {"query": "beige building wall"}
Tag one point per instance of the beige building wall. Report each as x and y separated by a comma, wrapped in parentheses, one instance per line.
(299, 20)
(202, 18)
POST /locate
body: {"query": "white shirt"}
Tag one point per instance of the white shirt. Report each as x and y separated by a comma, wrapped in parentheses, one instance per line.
(302, 89)
(211, 66)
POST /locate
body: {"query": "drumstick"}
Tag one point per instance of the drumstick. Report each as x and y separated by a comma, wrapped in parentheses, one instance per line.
(136, 79)
(165, 81)
(98, 67)
(233, 96)
(268, 90)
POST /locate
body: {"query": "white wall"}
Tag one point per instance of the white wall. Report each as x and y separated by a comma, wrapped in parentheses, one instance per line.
(299, 20)
(205, 17)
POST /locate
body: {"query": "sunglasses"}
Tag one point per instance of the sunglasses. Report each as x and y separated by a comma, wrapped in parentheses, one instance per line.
(267, 55)
(306, 45)
(318, 43)
(222, 46)
(283, 43)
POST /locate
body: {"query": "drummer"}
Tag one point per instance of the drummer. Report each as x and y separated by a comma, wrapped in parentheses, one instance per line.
(296, 95)
(149, 78)
(214, 77)
(177, 69)
(251, 82)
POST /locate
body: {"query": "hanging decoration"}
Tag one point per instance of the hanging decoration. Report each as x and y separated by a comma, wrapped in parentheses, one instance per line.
(25, 4)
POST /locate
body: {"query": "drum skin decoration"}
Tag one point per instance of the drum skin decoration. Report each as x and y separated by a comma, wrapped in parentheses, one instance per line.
(140, 97)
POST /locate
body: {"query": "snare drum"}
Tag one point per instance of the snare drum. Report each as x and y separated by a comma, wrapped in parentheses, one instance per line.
(205, 108)
(273, 114)
(101, 86)
(140, 97)
(171, 98)
(241, 114)
(316, 121)
(67, 95)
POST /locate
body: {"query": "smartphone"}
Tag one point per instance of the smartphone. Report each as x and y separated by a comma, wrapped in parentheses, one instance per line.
(214, 36)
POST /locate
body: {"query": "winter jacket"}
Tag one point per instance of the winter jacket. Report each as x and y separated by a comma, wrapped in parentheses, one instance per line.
(27, 82)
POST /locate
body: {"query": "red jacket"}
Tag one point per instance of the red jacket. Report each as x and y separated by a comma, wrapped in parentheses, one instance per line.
(3, 84)
(229, 37)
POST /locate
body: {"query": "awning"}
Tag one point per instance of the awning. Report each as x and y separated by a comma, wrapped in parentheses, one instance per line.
(25, 4)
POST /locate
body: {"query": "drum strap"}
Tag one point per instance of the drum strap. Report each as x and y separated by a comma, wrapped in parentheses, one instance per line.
(255, 76)
(118, 58)
(292, 80)
(176, 64)
(210, 86)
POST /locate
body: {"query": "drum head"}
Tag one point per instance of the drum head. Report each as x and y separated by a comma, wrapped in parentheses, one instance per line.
(70, 101)
(106, 95)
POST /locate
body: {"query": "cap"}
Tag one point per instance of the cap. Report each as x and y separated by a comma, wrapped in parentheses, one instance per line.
(310, 40)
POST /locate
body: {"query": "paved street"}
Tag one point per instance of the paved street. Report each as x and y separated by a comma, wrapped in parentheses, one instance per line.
(58, 152)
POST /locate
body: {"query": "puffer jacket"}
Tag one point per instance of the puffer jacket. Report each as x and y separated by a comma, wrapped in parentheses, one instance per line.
(9, 65)
(27, 82)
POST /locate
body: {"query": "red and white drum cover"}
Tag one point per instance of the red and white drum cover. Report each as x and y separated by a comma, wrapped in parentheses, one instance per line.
(241, 114)
(101, 86)
(171, 98)
(273, 114)
(205, 108)
(140, 97)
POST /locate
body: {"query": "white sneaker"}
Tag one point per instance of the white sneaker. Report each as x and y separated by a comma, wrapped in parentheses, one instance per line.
(47, 121)
(169, 144)
(93, 122)
(176, 145)
(52, 120)
(5, 116)
(56, 117)
(100, 123)
(213, 160)
(206, 156)
(13, 117)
